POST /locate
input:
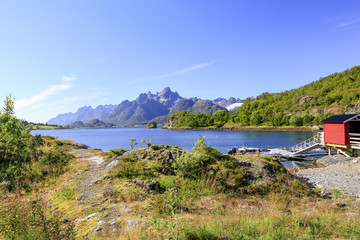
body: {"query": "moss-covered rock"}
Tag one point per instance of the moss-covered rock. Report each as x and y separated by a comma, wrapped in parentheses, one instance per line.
(227, 174)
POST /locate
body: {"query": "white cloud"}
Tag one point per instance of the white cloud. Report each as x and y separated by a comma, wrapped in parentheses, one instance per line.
(184, 70)
(41, 96)
(69, 78)
(346, 24)
(36, 101)
(178, 72)
(195, 67)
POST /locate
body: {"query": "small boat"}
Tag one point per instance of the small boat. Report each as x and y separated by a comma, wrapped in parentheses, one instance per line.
(248, 150)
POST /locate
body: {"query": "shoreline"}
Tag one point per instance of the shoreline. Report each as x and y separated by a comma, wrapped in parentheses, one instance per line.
(268, 128)
(278, 129)
(340, 173)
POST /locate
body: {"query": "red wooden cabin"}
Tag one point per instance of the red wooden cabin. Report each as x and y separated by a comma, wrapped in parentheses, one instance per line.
(342, 131)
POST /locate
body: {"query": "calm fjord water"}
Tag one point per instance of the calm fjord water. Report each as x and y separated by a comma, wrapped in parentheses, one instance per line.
(113, 138)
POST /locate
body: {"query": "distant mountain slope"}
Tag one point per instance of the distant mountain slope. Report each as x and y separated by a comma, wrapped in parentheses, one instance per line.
(84, 114)
(193, 105)
(196, 105)
(158, 106)
(225, 103)
(135, 112)
(144, 108)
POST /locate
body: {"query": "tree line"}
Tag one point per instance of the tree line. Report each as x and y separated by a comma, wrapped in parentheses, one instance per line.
(223, 118)
(308, 105)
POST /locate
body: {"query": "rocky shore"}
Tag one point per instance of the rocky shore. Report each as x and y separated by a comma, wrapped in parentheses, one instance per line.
(298, 129)
(337, 173)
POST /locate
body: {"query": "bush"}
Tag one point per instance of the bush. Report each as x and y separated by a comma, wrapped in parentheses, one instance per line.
(29, 220)
(159, 147)
(45, 162)
(133, 168)
(296, 121)
(155, 147)
(188, 165)
(116, 152)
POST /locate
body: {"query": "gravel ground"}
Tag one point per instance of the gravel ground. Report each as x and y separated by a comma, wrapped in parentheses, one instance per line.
(94, 186)
(340, 173)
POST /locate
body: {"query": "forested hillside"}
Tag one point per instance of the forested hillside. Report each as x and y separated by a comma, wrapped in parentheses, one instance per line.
(305, 106)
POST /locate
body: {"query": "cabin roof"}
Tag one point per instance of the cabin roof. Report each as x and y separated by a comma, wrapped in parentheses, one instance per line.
(340, 118)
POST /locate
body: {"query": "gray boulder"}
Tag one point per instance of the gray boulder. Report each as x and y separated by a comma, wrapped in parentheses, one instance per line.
(330, 160)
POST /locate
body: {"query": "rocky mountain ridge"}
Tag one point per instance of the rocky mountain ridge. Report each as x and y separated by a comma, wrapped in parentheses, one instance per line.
(226, 102)
(84, 114)
(144, 108)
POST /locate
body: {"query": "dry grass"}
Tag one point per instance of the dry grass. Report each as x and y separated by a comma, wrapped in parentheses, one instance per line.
(273, 217)
(287, 211)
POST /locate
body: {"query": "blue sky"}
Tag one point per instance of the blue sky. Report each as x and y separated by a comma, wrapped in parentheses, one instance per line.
(57, 56)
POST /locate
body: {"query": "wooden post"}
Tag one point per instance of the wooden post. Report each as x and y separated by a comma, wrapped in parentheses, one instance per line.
(354, 153)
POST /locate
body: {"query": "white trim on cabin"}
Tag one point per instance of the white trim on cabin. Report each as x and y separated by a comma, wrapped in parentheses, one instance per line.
(354, 118)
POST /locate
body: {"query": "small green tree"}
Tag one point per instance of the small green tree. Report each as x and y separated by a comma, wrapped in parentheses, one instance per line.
(188, 165)
(255, 118)
(8, 108)
(133, 143)
(143, 142)
(220, 117)
(148, 144)
(152, 124)
(15, 137)
(296, 121)
(200, 145)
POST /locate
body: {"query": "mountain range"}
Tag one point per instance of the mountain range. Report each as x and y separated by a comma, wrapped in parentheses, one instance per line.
(84, 114)
(144, 108)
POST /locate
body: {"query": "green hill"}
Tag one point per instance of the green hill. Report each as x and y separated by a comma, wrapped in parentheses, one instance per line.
(305, 106)
(94, 123)
(336, 93)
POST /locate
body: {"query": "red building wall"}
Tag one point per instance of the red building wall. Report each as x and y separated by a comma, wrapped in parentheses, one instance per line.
(337, 133)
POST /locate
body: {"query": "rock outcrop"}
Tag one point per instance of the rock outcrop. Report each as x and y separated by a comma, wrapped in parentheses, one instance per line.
(307, 99)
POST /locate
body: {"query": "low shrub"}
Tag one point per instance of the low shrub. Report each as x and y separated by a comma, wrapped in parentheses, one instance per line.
(46, 162)
(159, 147)
(31, 220)
(188, 165)
(133, 168)
(116, 152)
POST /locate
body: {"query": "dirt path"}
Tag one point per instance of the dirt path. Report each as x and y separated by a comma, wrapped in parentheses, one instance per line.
(89, 186)
(100, 214)
(341, 174)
